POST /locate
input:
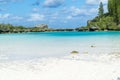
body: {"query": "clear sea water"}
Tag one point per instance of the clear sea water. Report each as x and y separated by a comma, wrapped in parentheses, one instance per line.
(51, 44)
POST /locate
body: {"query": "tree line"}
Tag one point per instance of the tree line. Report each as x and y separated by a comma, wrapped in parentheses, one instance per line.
(8, 28)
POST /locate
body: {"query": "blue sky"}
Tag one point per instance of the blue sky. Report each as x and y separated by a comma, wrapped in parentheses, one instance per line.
(55, 13)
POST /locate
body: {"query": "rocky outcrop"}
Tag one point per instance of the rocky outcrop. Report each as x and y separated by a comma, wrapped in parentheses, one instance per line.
(42, 26)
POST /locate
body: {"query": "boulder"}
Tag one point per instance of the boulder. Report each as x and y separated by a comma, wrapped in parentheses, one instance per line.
(42, 26)
(74, 52)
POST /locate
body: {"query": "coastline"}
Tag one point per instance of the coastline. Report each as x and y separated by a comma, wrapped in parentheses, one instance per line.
(55, 31)
(92, 63)
(8, 29)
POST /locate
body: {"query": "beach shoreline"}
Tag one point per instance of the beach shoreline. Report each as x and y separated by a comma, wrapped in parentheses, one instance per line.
(60, 56)
(72, 67)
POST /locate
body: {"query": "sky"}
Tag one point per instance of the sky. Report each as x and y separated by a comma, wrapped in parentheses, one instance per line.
(55, 13)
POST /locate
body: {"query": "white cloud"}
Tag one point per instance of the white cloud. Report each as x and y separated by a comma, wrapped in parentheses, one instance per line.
(93, 10)
(11, 17)
(77, 11)
(4, 16)
(53, 3)
(36, 17)
(6, 1)
(69, 17)
(55, 15)
(35, 9)
(94, 2)
(17, 17)
(74, 0)
(15, 0)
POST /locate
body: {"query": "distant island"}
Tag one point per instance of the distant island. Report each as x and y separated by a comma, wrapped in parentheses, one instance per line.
(8, 28)
(109, 21)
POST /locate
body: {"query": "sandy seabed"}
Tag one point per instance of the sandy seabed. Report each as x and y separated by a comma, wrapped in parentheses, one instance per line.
(72, 67)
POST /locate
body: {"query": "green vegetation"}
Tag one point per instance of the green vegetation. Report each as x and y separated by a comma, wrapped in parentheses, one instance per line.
(109, 21)
(8, 28)
(101, 10)
(114, 10)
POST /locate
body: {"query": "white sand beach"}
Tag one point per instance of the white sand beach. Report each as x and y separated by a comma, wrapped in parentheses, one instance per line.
(72, 67)
(46, 56)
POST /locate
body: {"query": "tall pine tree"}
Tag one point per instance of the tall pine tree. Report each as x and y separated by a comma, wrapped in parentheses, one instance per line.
(101, 10)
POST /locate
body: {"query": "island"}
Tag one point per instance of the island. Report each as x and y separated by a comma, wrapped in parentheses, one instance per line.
(9, 28)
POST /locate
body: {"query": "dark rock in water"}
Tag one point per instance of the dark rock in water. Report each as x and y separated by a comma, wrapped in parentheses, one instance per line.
(92, 46)
(118, 78)
(74, 52)
(93, 28)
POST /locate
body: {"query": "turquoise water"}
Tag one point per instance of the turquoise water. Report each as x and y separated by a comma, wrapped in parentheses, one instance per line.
(51, 44)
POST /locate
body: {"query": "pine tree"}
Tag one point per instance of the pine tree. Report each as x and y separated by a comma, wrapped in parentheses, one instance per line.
(110, 7)
(101, 10)
(114, 10)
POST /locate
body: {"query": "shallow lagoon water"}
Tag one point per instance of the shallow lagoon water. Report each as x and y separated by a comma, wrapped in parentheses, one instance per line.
(55, 44)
